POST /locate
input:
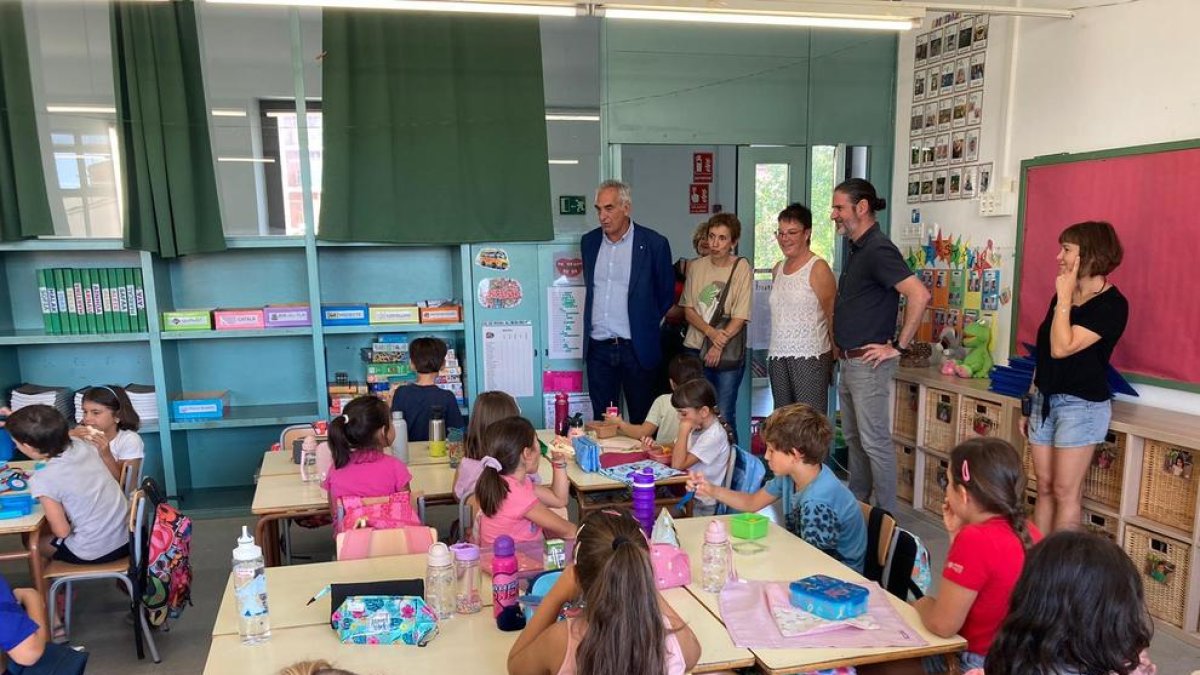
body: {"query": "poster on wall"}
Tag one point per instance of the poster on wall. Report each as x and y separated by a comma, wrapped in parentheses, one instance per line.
(921, 53)
(972, 145)
(926, 186)
(974, 108)
(939, 185)
(958, 147)
(508, 357)
(945, 114)
(977, 73)
(698, 198)
(955, 183)
(565, 327)
(568, 268)
(959, 114)
(970, 182)
(492, 258)
(919, 82)
(499, 293)
(914, 188)
(702, 167)
(979, 40)
(985, 178)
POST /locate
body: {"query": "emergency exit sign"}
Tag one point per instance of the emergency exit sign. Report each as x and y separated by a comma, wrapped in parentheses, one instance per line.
(571, 205)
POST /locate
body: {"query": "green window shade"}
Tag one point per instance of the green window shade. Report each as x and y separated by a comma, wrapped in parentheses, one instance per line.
(434, 129)
(24, 207)
(170, 187)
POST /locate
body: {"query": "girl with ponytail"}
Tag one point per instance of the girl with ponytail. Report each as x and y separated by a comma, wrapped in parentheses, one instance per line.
(984, 513)
(508, 496)
(360, 468)
(705, 438)
(626, 626)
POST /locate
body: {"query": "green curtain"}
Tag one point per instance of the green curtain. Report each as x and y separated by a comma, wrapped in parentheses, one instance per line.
(24, 207)
(434, 129)
(170, 188)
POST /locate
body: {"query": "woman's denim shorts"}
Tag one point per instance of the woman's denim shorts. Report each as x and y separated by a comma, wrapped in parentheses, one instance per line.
(1072, 423)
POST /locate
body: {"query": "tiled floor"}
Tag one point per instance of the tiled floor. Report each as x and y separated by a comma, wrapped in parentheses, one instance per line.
(102, 628)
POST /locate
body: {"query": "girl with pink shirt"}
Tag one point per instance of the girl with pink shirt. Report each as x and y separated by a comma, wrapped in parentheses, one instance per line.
(509, 501)
(360, 467)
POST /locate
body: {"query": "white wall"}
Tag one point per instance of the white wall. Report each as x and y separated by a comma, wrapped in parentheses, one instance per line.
(1113, 76)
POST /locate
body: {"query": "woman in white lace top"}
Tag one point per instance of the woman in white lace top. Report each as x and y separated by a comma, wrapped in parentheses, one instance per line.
(800, 358)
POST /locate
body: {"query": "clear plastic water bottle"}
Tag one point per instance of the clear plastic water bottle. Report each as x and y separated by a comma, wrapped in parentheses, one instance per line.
(250, 590)
(400, 444)
(466, 573)
(439, 581)
(643, 499)
(716, 557)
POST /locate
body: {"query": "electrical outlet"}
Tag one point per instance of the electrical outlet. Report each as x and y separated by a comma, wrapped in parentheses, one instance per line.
(997, 204)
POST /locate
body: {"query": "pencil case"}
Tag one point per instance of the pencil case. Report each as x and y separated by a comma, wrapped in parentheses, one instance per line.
(828, 598)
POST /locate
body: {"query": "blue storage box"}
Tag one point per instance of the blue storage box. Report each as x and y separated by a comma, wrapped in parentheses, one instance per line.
(199, 405)
(345, 315)
(829, 598)
(16, 504)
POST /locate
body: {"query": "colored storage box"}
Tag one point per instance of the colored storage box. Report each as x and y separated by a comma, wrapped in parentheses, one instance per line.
(393, 314)
(748, 526)
(829, 598)
(16, 504)
(445, 314)
(344, 315)
(199, 405)
(187, 319)
(287, 316)
(238, 319)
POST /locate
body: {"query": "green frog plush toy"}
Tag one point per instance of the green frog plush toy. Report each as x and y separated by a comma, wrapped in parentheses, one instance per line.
(978, 362)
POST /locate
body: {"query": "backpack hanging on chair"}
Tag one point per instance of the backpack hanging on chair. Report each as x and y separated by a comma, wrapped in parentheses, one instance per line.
(747, 476)
(168, 562)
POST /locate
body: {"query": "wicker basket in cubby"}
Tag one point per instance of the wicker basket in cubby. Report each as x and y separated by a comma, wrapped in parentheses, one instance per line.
(1165, 566)
(904, 416)
(1168, 493)
(977, 417)
(935, 483)
(906, 477)
(1102, 524)
(1030, 502)
(1102, 483)
(941, 420)
(1026, 451)
(906, 456)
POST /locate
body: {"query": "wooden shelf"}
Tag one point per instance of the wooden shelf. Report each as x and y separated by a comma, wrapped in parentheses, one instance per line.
(395, 328)
(1159, 529)
(39, 337)
(236, 334)
(281, 414)
(897, 438)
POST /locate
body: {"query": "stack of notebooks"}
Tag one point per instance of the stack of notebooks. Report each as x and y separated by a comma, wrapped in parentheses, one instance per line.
(36, 394)
(140, 395)
(1016, 378)
(93, 300)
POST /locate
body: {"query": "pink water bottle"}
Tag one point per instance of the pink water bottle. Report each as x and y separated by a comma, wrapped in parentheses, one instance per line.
(505, 585)
(560, 413)
(643, 499)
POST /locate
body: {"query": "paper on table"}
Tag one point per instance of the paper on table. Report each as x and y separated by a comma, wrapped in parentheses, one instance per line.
(508, 357)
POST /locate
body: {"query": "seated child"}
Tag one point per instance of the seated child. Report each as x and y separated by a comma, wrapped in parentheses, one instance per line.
(109, 410)
(509, 502)
(703, 443)
(360, 467)
(490, 406)
(427, 356)
(1078, 607)
(23, 624)
(85, 508)
(817, 507)
(662, 422)
(626, 624)
(984, 513)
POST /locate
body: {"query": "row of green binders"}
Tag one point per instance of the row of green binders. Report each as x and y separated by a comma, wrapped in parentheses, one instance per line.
(89, 301)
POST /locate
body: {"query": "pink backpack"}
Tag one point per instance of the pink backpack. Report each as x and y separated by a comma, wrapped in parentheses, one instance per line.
(671, 566)
(394, 511)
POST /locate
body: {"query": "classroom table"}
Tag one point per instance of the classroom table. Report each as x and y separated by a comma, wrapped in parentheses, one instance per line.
(29, 528)
(786, 558)
(279, 462)
(300, 632)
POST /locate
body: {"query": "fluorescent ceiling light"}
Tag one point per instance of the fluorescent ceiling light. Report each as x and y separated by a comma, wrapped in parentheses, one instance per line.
(790, 20)
(572, 117)
(82, 109)
(251, 160)
(228, 112)
(422, 6)
(567, 162)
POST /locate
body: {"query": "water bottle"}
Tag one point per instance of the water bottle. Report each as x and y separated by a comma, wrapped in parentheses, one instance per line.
(643, 499)
(308, 460)
(560, 413)
(467, 578)
(439, 581)
(716, 557)
(400, 443)
(437, 431)
(250, 589)
(505, 585)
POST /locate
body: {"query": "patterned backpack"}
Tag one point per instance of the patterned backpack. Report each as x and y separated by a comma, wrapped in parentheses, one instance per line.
(168, 576)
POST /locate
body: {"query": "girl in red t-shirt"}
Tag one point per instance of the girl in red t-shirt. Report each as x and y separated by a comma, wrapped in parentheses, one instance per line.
(989, 533)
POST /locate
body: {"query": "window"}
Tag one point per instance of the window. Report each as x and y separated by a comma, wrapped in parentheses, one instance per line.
(281, 143)
(824, 170)
(87, 169)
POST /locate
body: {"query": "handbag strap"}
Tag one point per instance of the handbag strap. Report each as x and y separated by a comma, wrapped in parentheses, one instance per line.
(719, 312)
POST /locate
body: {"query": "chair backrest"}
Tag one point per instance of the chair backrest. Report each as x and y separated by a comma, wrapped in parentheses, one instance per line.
(293, 433)
(141, 521)
(881, 532)
(908, 573)
(131, 477)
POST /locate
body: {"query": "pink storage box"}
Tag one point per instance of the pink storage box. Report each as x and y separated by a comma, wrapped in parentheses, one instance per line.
(238, 319)
(287, 316)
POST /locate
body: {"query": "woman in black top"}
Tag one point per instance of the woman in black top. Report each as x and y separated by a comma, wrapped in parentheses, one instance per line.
(1071, 405)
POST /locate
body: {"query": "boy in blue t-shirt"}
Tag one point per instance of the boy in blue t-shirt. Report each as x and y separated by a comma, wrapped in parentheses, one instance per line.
(817, 507)
(416, 401)
(23, 624)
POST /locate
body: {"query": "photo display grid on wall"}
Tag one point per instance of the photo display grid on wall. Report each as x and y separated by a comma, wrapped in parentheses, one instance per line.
(949, 72)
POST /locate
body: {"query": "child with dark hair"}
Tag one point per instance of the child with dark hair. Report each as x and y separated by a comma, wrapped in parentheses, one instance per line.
(85, 508)
(817, 507)
(984, 513)
(107, 409)
(509, 502)
(705, 439)
(357, 438)
(626, 627)
(1078, 608)
(427, 356)
(662, 422)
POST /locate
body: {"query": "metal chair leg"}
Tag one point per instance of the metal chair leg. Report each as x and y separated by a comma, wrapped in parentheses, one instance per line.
(67, 615)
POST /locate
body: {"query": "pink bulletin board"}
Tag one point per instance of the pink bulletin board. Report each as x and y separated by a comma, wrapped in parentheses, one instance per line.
(1151, 195)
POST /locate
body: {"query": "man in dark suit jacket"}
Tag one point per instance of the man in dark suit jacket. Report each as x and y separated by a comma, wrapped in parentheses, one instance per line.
(630, 287)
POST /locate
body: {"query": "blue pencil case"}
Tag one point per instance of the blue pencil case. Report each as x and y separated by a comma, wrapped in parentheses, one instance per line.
(828, 598)
(587, 453)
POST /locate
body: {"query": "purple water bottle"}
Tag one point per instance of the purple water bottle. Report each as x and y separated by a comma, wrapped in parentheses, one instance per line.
(643, 498)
